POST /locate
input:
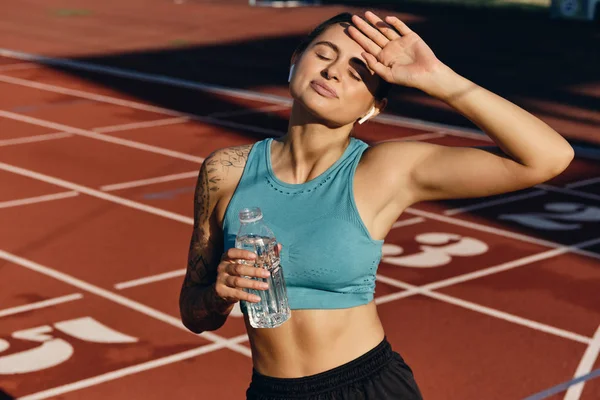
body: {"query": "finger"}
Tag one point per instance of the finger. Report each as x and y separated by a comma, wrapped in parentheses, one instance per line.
(399, 25)
(363, 41)
(378, 67)
(233, 254)
(237, 282)
(369, 31)
(385, 29)
(246, 270)
(229, 294)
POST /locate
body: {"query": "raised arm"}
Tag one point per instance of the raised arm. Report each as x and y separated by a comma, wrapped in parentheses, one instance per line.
(531, 151)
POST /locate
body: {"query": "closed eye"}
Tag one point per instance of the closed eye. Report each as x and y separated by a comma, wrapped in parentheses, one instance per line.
(323, 57)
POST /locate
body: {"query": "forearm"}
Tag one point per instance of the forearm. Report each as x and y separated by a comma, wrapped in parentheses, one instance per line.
(201, 309)
(521, 135)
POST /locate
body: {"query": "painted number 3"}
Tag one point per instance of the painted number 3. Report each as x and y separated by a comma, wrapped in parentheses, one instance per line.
(54, 351)
(437, 249)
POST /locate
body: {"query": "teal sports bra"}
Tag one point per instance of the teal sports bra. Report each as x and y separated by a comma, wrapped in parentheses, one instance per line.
(329, 259)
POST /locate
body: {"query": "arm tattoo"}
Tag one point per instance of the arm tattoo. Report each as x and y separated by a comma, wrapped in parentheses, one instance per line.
(198, 300)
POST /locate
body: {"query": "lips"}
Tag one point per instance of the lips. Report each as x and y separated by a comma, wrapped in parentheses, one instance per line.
(323, 89)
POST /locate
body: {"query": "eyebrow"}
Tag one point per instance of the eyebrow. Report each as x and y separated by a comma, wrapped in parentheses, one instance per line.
(335, 48)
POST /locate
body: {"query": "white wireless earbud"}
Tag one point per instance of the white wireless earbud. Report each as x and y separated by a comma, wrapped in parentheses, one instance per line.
(366, 117)
(291, 73)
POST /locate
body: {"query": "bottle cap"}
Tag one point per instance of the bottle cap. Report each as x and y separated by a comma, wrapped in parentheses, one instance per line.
(251, 214)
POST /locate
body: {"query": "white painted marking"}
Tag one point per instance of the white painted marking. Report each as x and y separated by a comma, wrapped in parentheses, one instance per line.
(436, 249)
(584, 182)
(484, 310)
(140, 125)
(87, 95)
(572, 192)
(406, 222)
(495, 231)
(134, 369)
(509, 317)
(559, 216)
(149, 181)
(150, 279)
(249, 111)
(102, 137)
(37, 199)
(36, 138)
(90, 330)
(96, 193)
(496, 202)
(509, 265)
(18, 67)
(118, 299)
(236, 93)
(49, 354)
(40, 304)
(585, 367)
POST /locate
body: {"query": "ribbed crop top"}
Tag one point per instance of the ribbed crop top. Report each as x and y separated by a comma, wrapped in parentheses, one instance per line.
(328, 257)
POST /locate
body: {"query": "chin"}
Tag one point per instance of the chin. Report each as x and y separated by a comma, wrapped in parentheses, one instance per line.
(320, 110)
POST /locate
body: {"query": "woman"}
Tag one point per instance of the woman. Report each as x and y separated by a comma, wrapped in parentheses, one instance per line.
(331, 199)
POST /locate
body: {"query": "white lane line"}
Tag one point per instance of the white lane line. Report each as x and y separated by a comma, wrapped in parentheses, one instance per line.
(102, 137)
(585, 367)
(40, 304)
(495, 202)
(584, 182)
(87, 95)
(406, 222)
(18, 67)
(422, 136)
(36, 138)
(385, 119)
(38, 199)
(144, 124)
(96, 193)
(249, 111)
(118, 299)
(138, 106)
(572, 192)
(495, 231)
(150, 279)
(134, 369)
(106, 188)
(149, 181)
(480, 309)
(509, 265)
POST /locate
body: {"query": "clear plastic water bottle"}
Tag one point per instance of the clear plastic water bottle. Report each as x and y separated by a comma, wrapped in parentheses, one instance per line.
(254, 235)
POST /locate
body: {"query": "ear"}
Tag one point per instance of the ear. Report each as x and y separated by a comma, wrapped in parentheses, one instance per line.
(375, 110)
(380, 106)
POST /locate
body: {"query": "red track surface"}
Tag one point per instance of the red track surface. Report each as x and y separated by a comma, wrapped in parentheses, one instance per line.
(526, 322)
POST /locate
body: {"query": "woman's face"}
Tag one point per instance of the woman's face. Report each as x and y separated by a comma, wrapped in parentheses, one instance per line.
(332, 80)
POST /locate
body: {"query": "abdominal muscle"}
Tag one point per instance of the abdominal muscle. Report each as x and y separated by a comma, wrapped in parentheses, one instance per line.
(314, 341)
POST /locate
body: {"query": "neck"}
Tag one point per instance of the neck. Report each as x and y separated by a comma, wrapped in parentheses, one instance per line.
(309, 148)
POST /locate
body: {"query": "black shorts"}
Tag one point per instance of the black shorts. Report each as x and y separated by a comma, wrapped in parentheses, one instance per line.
(379, 374)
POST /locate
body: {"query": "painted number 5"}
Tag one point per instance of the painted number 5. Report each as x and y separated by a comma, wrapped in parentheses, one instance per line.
(54, 351)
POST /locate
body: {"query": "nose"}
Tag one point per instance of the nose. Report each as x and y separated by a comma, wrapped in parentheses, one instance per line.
(331, 72)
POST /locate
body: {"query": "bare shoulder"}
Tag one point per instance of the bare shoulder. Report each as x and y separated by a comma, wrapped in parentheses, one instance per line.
(224, 166)
(224, 169)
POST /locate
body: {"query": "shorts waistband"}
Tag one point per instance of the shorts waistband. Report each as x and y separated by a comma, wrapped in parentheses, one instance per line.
(352, 371)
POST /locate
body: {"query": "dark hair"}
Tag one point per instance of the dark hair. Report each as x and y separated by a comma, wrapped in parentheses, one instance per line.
(383, 88)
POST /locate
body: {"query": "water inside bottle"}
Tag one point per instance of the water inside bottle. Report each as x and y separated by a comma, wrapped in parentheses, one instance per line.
(273, 309)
